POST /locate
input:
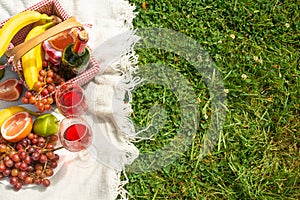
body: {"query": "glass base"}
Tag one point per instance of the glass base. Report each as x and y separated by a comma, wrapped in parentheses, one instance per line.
(86, 158)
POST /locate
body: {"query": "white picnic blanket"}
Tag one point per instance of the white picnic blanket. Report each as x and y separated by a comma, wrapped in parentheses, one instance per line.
(108, 114)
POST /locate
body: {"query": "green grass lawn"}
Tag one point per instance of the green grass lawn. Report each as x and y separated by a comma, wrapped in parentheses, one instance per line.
(255, 46)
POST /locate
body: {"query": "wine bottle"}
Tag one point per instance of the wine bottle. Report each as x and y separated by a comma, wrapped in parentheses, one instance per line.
(76, 56)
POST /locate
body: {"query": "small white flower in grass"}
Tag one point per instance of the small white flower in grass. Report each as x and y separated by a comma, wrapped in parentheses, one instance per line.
(287, 25)
(220, 41)
(244, 76)
(256, 59)
(205, 116)
(226, 91)
(232, 36)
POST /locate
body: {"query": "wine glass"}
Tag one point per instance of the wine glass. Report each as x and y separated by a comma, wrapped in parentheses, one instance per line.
(70, 100)
(75, 135)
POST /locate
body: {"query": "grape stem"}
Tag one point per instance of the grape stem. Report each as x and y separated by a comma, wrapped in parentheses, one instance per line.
(6, 152)
(2, 156)
(10, 147)
(44, 166)
(58, 148)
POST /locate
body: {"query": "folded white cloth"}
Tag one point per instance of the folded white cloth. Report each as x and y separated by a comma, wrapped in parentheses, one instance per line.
(108, 114)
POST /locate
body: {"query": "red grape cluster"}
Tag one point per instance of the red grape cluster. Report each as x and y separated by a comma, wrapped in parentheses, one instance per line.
(42, 94)
(29, 161)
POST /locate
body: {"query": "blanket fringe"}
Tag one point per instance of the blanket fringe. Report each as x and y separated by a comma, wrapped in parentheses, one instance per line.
(126, 65)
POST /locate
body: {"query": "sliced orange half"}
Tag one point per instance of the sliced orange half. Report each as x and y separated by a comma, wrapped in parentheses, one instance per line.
(63, 39)
(17, 127)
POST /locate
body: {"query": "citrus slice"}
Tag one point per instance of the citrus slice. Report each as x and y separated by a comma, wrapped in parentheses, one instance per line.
(10, 90)
(16, 127)
(63, 39)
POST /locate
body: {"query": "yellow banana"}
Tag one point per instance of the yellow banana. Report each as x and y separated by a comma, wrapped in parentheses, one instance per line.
(16, 23)
(32, 61)
(7, 112)
(40, 22)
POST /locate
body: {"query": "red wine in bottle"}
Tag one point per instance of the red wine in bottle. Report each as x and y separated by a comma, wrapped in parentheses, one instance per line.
(76, 56)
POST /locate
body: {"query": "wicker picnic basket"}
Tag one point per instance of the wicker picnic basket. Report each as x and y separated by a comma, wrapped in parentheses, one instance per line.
(50, 7)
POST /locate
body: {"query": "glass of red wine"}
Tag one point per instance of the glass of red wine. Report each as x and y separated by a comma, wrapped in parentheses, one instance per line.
(75, 135)
(70, 100)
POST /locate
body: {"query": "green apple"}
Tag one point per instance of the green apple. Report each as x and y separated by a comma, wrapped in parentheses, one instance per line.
(46, 125)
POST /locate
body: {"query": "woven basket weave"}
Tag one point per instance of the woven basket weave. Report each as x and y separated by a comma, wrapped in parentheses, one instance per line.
(53, 7)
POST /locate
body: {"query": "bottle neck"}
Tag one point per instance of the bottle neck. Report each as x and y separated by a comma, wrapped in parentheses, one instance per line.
(79, 46)
(81, 42)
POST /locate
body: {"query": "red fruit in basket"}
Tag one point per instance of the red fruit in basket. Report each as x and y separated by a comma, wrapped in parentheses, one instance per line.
(63, 39)
(10, 90)
(55, 45)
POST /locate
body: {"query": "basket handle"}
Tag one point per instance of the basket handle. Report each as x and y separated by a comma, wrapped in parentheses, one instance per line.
(21, 49)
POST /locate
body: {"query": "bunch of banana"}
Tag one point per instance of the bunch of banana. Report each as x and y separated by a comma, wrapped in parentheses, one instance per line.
(16, 23)
(32, 61)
